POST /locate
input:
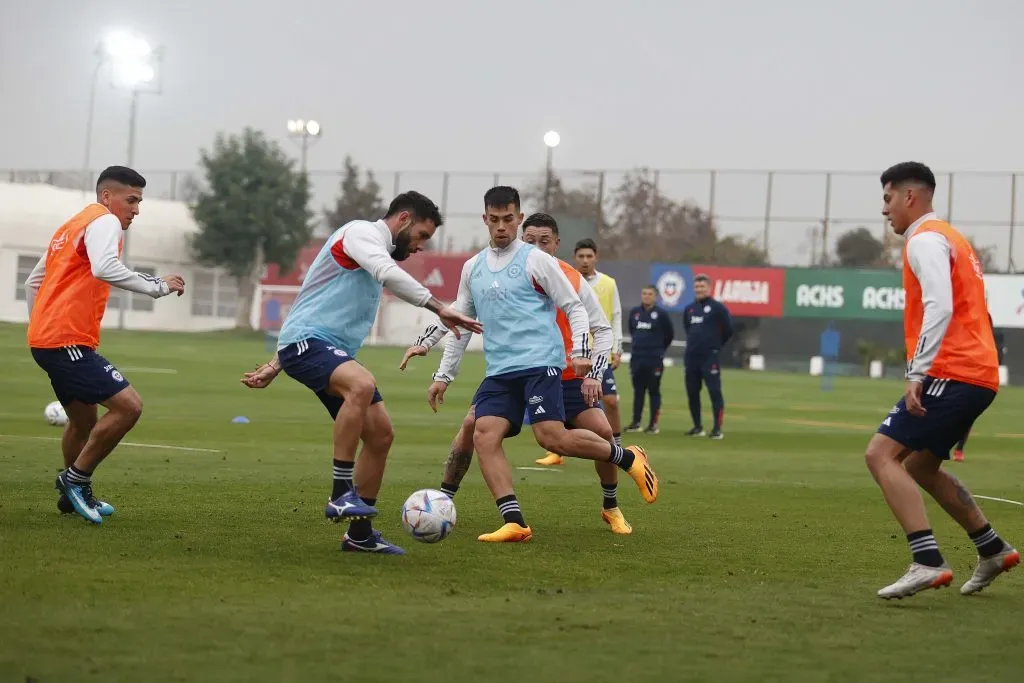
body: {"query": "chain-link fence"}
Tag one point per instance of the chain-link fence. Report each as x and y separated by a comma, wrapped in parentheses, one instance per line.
(797, 217)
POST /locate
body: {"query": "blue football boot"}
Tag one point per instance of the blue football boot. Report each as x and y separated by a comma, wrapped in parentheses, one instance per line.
(76, 495)
(374, 544)
(348, 506)
(105, 508)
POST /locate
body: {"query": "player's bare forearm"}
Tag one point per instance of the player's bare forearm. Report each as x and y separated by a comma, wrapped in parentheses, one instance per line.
(434, 305)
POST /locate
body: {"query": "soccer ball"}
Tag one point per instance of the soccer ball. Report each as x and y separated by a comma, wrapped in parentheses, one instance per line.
(428, 515)
(55, 414)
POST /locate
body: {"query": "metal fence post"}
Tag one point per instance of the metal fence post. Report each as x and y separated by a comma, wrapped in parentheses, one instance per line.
(444, 207)
(769, 190)
(825, 221)
(949, 200)
(1013, 221)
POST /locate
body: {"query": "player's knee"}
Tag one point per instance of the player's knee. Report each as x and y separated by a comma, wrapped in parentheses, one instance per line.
(485, 440)
(603, 430)
(611, 402)
(127, 406)
(552, 437)
(877, 456)
(360, 391)
(465, 438)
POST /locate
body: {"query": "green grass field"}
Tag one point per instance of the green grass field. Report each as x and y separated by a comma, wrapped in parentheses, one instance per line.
(759, 562)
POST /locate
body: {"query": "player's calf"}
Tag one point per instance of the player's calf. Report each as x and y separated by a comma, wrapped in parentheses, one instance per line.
(488, 434)
(460, 457)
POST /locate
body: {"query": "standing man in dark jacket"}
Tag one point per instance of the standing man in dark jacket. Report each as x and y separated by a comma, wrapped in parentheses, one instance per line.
(708, 327)
(652, 333)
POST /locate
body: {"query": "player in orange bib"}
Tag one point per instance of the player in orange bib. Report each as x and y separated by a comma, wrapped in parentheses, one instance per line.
(952, 377)
(67, 296)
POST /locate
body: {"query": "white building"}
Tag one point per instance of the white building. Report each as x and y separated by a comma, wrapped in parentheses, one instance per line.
(157, 244)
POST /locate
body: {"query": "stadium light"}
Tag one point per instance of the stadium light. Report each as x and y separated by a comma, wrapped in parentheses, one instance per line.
(303, 130)
(551, 139)
(134, 66)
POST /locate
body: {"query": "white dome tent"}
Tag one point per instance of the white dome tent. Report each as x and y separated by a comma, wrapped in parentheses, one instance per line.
(158, 243)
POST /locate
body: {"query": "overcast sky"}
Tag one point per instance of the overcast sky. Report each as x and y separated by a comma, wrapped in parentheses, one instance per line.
(473, 85)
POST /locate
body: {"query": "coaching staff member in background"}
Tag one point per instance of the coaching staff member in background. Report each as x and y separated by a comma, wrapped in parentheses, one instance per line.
(652, 333)
(708, 327)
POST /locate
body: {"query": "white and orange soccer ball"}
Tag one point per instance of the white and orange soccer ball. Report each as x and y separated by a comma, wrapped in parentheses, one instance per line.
(428, 515)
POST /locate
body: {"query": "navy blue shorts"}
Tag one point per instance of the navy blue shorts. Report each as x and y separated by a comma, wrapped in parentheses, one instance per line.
(573, 401)
(951, 409)
(80, 374)
(537, 392)
(311, 362)
(609, 383)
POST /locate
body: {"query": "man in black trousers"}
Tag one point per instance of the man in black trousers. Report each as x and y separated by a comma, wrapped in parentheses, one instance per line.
(652, 333)
(708, 327)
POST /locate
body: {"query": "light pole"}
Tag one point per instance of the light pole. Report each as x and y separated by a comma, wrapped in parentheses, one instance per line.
(303, 130)
(551, 139)
(133, 64)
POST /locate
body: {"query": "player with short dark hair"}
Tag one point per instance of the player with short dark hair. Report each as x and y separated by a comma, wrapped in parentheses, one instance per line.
(708, 327)
(67, 295)
(580, 395)
(952, 377)
(585, 255)
(515, 289)
(324, 330)
(652, 333)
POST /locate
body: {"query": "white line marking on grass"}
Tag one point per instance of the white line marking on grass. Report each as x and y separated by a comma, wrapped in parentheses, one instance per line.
(123, 443)
(538, 469)
(829, 425)
(1000, 500)
(150, 371)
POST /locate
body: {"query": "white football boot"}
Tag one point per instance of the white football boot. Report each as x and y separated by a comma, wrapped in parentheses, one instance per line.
(989, 568)
(918, 578)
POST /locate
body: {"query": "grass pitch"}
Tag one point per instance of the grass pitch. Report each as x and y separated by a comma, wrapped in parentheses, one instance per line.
(759, 562)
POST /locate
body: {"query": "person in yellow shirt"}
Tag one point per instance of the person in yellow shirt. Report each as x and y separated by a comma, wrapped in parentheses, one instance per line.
(607, 291)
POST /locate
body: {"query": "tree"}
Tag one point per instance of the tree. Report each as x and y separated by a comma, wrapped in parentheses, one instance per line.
(582, 203)
(252, 211)
(649, 226)
(355, 200)
(860, 249)
(987, 256)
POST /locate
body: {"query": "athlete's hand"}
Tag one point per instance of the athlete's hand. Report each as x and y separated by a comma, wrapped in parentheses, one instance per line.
(582, 366)
(261, 377)
(175, 283)
(410, 352)
(435, 394)
(453, 320)
(592, 391)
(913, 399)
(616, 359)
